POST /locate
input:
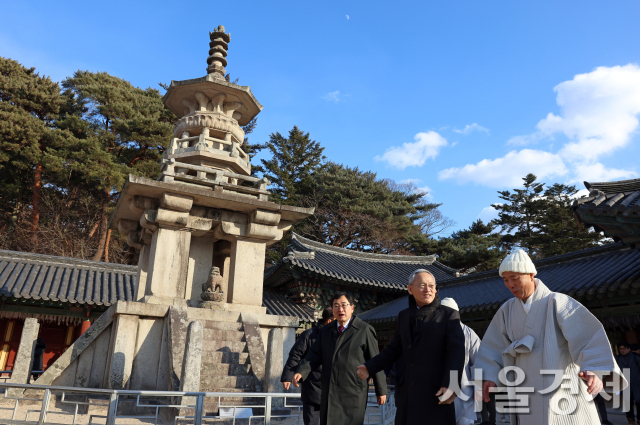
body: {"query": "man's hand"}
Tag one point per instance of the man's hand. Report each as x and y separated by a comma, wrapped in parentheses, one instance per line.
(296, 378)
(364, 373)
(286, 385)
(485, 390)
(382, 399)
(447, 395)
(594, 384)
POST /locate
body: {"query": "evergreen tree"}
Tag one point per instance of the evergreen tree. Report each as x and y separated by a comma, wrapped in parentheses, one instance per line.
(356, 210)
(539, 220)
(32, 149)
(127, 129)
(559, 230)
(294, 162)
(471, 250)
(519, 217)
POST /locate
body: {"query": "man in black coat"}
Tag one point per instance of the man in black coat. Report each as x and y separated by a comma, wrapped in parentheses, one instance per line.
(342, 346)
(311, 389)
(430, 341)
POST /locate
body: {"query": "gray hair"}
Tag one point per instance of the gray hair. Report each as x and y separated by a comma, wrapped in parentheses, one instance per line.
(413, 275)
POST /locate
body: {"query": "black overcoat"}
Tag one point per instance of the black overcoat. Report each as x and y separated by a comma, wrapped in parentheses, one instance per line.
(311, 390)
(344, 394)
(428, 355)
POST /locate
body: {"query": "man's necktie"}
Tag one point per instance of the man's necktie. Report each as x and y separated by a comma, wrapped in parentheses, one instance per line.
(340, 329)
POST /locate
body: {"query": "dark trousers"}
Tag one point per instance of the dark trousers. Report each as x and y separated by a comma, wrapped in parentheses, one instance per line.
(489, 409)
(630, 413)
(310, 413)
(602, 409)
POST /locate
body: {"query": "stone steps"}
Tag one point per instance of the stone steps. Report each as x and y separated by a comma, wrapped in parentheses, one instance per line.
(221, 383)
(226, 369)
(225, 326)
(222, 335)
(234, 346)
(224, 357)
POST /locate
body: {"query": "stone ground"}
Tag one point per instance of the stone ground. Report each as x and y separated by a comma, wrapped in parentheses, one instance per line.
(615, 416)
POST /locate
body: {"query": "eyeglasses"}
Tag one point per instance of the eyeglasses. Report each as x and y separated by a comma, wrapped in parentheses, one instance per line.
(343, 306)
(422, 287)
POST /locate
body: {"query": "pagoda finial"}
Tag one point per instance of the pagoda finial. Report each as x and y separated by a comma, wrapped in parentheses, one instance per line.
(218, 51)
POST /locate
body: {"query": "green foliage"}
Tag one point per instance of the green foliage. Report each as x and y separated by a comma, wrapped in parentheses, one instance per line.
(29, 108)
(471, 250)
(127, 128)
(295, 161)
(354, 209)
(539, 220)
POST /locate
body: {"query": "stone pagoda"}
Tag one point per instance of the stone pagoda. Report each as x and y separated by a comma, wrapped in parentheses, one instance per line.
(202, 229)
(205, 209)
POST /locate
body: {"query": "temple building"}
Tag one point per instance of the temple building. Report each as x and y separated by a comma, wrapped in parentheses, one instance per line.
(312, 271)
(605, 279)
(613, 208)
(67, 294)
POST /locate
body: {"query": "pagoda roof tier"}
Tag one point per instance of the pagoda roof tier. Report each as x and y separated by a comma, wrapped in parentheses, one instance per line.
(211, 85)
(382, 271)
(612, 207)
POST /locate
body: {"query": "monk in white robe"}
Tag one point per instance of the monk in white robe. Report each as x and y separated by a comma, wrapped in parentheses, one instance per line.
(540, 330)
(465, 412)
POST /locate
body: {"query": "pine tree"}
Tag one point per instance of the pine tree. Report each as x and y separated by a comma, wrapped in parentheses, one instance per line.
(356, 210)
(539, 220)
(519, 217)
(32, 149)
(559, 230)
(295, 160)
(127, 129)
(471, 250)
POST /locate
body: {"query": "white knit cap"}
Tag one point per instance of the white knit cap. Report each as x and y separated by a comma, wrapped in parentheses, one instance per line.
(518, 262)
(450, 302)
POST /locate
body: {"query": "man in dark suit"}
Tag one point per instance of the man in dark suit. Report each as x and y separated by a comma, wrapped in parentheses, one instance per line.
(340, 348)
(311, 389)
(430, 340)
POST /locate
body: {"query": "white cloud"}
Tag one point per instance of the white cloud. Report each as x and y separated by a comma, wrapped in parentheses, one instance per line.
(599, 113)
(508, 170)
(426, 145)
(428, 191)
(470, 128)
(333, 96)
(596, 172)
(487, 214)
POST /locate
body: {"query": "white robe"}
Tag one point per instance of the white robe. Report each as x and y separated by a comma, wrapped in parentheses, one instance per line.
(558, 333)
(465, 413)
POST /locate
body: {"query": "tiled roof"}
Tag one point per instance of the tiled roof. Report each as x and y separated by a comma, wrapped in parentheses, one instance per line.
(579, 274)
(384, 271)
(69, 280)
(27, 276)
(612, 207)
(278, 304)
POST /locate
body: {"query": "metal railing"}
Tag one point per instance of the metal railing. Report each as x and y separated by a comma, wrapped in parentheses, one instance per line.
(168, 407)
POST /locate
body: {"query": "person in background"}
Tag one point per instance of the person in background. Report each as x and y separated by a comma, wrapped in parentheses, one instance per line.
(630, 360)
(635, 348)
(339, 349)
(602, 410)
(38, 353)
(465, 412)
(311, 389)
(430, 341)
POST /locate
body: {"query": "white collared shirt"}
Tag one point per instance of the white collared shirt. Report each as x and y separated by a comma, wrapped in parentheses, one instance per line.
(346, 325)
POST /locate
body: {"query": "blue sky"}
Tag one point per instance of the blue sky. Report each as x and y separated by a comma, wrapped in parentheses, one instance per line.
(462, 97)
